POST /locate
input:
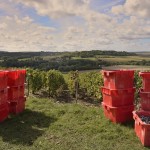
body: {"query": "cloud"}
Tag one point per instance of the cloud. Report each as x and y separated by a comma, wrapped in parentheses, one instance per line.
(8, 7)
(110, 4)
(57, 8)
(22, 34)
(133, 29)
(138, 8)
(80, 26)
(135, 22)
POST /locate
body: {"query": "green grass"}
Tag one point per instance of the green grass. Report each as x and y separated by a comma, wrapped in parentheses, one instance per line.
(89, 58)
(134, 67)
(126, 58)
(117, 58)
(46, 125)
(146, 54)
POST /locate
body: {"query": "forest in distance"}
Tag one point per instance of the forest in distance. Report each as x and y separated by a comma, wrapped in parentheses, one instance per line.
(71, 61)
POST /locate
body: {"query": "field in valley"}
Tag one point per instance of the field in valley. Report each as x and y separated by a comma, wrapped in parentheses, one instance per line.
(134, 67)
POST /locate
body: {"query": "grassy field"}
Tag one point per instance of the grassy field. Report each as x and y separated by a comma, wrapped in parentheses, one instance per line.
(46, 125)
(117, 67)
(126, 58)
(134, 67)
(117, 58)
(146, 54)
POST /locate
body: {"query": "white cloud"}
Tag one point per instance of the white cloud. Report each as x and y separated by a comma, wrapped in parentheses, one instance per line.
(57, 8)
(133, 28)
(21, 34)
(82, 28)
(140, 8)
(66, 8)
(9, 8)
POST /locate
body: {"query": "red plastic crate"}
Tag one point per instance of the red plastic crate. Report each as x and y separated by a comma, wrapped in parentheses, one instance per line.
(16, 77)
(15, 92)
(118, 79)
(118, 114)
(21, 91)
(145, 100)
(3, 96)
(3, 79)
(146, 80)
(4, 111)
(115, 98)
(142, 129)
(17, 106)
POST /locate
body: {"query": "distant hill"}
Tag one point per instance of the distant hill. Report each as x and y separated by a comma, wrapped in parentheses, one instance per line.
(20, 55)
(68, 61)
(146, 54)
(82, 54)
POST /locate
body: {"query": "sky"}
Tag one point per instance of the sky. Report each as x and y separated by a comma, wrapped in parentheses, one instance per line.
(74, 25)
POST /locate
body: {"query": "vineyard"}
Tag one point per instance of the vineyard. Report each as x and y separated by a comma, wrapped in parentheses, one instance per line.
(47, 124)
(84, 86)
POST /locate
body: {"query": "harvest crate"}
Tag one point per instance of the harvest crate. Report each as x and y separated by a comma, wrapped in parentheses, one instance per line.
(3, 96)
(146, 80)
(118, 79)
(17, 106)
(145, 100)
(142, 129)
(15, 92)
(4, 111)
(120, 97)
(16, 77)
(3, 79)
(118, 114)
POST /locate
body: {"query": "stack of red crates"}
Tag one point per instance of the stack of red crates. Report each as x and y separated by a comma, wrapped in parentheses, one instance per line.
(4, 109)
(142, 128)
(16, 98)
(118, 95)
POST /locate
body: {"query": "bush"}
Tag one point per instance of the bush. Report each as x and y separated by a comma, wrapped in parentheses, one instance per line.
(35, 80)
(138, 85)
(90, 83)
(55, 83)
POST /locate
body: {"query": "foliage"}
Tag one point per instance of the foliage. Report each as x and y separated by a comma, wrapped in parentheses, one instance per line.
(21, 55)
(90, 83)
(44, 79)
(138, 85)
(137, 80)
(72, 80)
(86, 54)
(55, 82)
(35, 80)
